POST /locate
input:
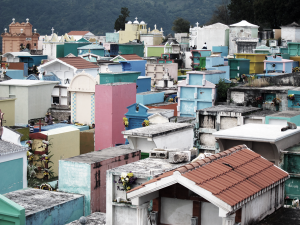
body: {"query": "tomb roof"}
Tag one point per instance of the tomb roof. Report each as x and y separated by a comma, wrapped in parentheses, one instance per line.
(36, 200)
(8, 148)
(232, 176)
(256, 132)
(131, 57)
(148, 166)
(243, 23)
(17, 54)
(157, 129)
(79, 63)
(98, 156)
(163, 112)
(91, 46)
(181, 119)
(287, 114)
(19, 82)
(116, 84)
(148, 92)
(268, 88)
(294, 24)
(206, 72)
(229, 108)
(6, 99)
(96, 218)
(78, 32)
(261, 113)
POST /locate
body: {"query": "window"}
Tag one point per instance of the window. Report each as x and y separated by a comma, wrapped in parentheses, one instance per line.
(55, 100)
(34, 44)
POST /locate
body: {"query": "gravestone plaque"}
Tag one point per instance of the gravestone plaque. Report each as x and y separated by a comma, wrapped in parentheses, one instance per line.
(238, 97)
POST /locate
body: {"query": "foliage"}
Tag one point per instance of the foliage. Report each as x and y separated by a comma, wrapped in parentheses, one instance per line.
(120, 22)
(266, 13)
(181, 25)
(31, 173)
(221, 14)
(99, 17)
(291, 97)
(222, 88)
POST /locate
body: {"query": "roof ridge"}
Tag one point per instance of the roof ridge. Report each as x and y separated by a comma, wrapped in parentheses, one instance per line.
(210, 159)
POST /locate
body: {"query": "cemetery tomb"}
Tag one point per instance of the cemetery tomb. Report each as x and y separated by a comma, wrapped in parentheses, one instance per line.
(86, 174)
(114, 77)
(264, 139)
(134, 65)
(87, 141)
(212, 119)
(238, 67)
(278, 64)
(63, 143)
(281, 118)
(222, 49)
(111, 101)
(150, 97)
(256, 61)
(46, 207)
(7, 106)
(120, 213)
(13, 162)
(143, 84)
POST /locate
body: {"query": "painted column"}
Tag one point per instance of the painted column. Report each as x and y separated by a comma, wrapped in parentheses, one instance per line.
(142, 212)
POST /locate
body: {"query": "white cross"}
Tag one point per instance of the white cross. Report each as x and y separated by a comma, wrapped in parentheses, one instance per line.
(154, 26)
(52, 30)
(197, 24)
(27, 20)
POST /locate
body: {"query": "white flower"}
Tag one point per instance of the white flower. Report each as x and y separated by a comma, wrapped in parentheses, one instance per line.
(127, 179)
(123, 175)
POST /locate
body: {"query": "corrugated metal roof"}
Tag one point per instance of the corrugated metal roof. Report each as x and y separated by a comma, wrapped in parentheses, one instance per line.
(79, 63)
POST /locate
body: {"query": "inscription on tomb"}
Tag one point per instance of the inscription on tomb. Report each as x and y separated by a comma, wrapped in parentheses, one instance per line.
(237, 97)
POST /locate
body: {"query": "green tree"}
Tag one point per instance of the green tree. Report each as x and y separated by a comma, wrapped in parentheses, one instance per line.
(221, 14)
(120, 22)
(181, 25)
(242, 10)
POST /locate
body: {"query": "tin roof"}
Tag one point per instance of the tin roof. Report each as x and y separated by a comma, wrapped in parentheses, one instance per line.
(232, 176)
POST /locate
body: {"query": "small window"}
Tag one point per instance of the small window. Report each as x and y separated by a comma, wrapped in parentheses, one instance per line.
(34, 44)
(55, 100)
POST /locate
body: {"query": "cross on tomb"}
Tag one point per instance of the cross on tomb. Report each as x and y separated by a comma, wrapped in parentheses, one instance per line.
(52, 30)
(136, 18)
(39, 123)
(154, 26)
(197, 24)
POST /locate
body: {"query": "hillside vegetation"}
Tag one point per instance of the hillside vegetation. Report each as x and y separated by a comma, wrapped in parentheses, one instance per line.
(98, 16)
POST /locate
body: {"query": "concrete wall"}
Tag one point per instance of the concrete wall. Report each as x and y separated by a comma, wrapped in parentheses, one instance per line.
(13, 174)
(290, 33)
(65, 143)
(263, 205)
(240, 32)
(7, 107)
(110, 106)
(87, 141)
(76, 178)
(59, 214)
(176, 211)
(210, 214)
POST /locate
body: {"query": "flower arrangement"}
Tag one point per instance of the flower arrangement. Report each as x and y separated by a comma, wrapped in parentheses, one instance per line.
(145, 123)
(125, 182)
(29, 142)
(125, 122)
(29, 156)
(291, 97)
(276, 101)
(45, 158)
(46, 186)
(259, 100)
(171, 100)
(175, 82)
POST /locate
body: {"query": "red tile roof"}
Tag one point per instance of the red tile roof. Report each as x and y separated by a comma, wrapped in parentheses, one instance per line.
(78, 62)
(232, 176)
(77, 32)
(132, 57)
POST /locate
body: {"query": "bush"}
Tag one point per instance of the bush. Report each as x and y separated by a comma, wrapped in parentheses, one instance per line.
(222, 88)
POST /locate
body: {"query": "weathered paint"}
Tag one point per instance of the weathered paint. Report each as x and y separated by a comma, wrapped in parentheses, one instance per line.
(143, 84)
(11, 175)
(76, 178)
(11, 213)
(87, 141)
(111, 101)
(166, 105)
(87, 176)
(134, 65)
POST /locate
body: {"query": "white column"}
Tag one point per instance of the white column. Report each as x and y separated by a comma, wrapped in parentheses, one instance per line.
(228, 220)
(109, 197)
(142, 214)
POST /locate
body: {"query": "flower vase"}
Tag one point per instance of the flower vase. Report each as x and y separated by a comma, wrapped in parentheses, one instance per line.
(277, 107)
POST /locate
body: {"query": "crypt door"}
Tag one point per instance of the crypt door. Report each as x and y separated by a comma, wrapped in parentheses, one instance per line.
(83, 108)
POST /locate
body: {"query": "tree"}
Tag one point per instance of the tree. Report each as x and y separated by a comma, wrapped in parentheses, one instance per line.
(242, 10)
(221, 14)
(181, 25)
(120, 22)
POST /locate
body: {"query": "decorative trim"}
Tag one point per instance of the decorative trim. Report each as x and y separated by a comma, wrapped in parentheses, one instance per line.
(73, 104)
(93, 108)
